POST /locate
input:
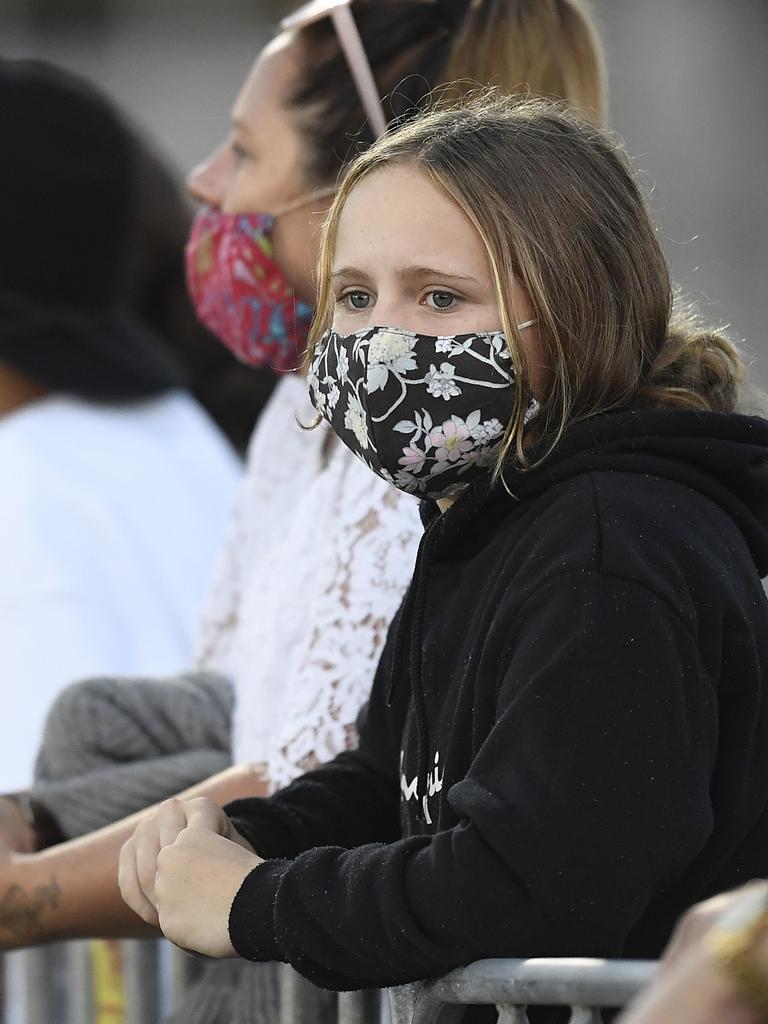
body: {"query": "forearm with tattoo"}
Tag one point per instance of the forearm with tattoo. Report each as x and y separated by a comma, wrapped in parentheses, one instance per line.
(22, 909)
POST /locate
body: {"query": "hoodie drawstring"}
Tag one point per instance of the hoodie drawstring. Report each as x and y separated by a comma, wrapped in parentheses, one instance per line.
(412, 617)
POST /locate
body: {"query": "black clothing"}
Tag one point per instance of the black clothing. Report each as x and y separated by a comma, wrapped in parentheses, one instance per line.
(70, 183)
(578, 710)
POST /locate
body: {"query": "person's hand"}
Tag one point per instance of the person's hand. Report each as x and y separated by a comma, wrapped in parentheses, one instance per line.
(694, 990)
(693, 926)
(198, 877)
(139, 856)
(692, 987)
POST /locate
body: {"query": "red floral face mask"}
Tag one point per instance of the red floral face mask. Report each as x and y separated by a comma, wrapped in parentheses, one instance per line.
(240, 293)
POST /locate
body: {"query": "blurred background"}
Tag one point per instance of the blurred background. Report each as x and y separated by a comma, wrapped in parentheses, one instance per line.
(688, 89)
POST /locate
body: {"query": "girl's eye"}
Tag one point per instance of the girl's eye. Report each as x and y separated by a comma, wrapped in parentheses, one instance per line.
(356, 300)
(441, 300)
(240, 153)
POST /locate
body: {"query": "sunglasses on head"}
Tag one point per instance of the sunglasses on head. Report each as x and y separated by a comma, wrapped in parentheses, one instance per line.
(351, 46)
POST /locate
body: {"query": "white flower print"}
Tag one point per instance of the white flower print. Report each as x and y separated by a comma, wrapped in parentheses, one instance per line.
(389, 352)
(486, 432)
(333, 395)
(394, 381)
(499, 344)
(440, 383)
(451, 440)
(354, 420)
(342, 365)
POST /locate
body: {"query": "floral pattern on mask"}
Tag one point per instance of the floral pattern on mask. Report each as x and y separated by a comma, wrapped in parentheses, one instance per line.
(426, 413)
(241, 294)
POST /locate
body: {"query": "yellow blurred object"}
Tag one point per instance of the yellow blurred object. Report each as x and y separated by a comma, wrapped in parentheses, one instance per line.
(108, 993)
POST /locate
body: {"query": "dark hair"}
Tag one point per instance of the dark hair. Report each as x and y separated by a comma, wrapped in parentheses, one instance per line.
(95, 224)
(538, 47)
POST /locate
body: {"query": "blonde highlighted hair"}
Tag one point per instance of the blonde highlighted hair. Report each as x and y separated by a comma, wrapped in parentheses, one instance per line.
(547, 48)
(558, 210)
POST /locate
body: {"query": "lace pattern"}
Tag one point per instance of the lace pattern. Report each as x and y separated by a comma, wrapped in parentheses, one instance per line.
(281, 458)
(363, 569)
(320, 554)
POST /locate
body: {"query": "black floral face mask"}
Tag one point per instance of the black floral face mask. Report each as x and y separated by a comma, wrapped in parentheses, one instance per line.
(426, 413)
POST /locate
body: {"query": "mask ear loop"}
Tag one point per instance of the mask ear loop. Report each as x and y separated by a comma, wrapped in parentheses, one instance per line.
(296, 204)
(532, 411)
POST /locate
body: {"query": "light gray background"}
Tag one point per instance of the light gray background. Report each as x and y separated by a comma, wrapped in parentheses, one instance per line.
(688, 87)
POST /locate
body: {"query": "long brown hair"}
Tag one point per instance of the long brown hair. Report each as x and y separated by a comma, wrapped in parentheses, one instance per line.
(544, 48)
(558, 210)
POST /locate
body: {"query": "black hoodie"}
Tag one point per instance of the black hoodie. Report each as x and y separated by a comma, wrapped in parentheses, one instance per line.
(578, 711)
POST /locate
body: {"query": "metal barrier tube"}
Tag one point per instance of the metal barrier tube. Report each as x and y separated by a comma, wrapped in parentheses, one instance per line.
(511, 1015)
(141, 981)
(39, 992)
(182, 970)
(79, 983)
(360, 1007)
(298, 998)
(581, 983)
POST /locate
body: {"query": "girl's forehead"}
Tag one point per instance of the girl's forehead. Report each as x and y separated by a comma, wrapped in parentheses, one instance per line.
(399, 210)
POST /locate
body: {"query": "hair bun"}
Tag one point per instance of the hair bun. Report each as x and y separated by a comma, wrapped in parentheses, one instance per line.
(453, 12)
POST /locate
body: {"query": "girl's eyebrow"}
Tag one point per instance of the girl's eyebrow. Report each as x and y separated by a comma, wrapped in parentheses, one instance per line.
(351, 274)
(421, 272)
(404, 273)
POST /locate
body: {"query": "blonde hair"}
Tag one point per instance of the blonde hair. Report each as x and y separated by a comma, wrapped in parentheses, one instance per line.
(558, 210)
(544, 48)
(547, 48)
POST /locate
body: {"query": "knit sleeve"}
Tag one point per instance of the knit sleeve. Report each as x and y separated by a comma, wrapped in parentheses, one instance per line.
(569, 820)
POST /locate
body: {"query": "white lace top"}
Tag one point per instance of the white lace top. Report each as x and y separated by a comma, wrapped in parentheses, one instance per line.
(320, 554)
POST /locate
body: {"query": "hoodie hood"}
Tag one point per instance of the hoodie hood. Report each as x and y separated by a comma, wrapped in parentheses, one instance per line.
(723, 456)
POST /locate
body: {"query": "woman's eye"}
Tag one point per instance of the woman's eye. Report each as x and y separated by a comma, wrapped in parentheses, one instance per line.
(356, 300)
(240, 153)
(441, 300)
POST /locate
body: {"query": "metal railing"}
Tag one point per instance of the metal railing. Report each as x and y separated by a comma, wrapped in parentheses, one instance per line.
(58, 988)
(586, 986)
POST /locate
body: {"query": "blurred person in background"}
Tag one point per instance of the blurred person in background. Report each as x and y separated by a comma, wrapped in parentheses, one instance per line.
(233, 394)
(116, 484)
(320, 553)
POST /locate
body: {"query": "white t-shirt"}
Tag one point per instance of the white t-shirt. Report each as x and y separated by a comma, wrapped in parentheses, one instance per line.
(319, 556)
(110, 522)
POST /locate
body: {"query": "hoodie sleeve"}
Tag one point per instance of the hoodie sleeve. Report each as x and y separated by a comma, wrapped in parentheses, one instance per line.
(589, 795)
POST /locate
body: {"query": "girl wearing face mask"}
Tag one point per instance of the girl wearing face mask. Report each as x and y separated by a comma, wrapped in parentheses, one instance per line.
(565, 743)
(321, 552)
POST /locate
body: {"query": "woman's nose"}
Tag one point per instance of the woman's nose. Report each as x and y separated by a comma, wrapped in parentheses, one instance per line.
(208, 182)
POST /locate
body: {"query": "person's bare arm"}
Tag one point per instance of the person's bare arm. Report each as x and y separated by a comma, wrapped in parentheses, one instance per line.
(71, 890)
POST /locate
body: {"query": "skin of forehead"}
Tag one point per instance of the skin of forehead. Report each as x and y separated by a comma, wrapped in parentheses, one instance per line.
(400, 212)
